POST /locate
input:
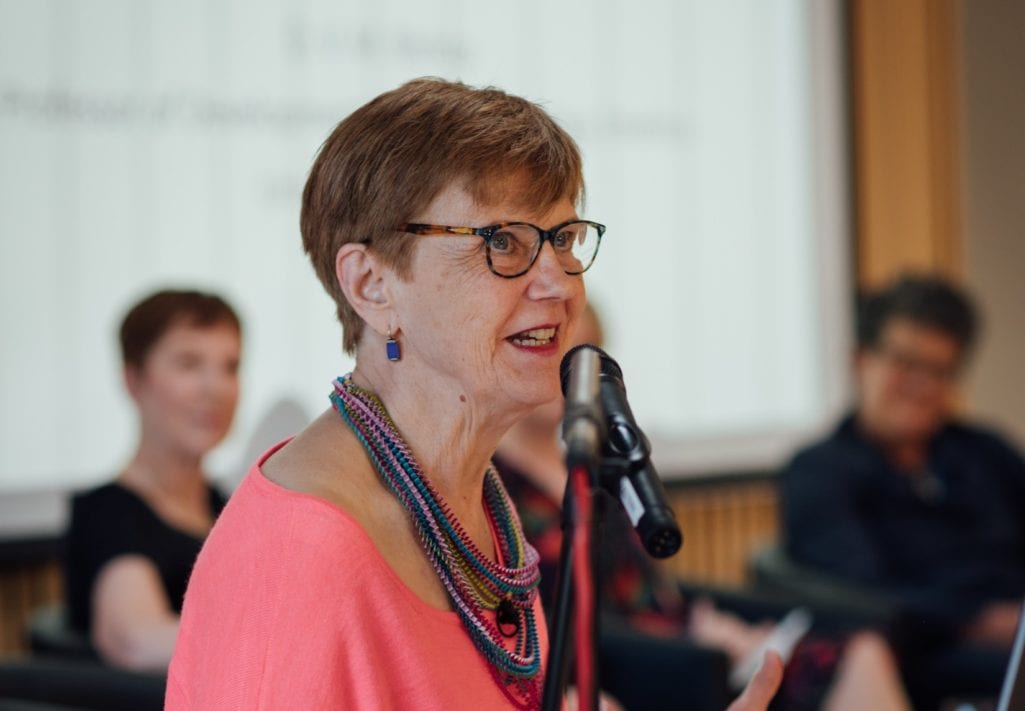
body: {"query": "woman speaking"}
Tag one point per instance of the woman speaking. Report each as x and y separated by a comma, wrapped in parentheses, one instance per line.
(375, 560)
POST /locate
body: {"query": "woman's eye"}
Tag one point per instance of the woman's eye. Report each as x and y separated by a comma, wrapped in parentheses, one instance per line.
(501, 242)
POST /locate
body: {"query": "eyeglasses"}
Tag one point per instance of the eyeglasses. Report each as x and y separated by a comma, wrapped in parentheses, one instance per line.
(908, 363)
(512, 247)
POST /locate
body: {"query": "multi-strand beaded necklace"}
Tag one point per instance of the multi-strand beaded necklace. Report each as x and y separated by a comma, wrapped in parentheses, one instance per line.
(474, 582)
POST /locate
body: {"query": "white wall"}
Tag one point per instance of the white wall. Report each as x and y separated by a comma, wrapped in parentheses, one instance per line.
(147, 143)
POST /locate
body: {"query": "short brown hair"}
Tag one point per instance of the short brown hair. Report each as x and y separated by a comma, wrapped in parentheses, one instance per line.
(147, 321)
(391, 157)
(928, 300)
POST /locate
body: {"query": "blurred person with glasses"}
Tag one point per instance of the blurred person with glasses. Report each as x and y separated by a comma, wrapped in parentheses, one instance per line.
(910, 501)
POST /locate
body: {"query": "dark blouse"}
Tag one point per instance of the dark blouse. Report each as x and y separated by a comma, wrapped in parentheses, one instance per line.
(113, 521)
(944, 541)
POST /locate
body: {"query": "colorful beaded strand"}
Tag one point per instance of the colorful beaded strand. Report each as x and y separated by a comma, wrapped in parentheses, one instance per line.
(473, 581)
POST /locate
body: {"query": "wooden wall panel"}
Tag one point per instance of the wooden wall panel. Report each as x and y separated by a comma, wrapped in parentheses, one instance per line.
(24, 588)
(722, 524)
(905, 63)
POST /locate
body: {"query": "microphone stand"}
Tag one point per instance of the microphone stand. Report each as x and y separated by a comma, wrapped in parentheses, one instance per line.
(577, 517)
(583, 432)
(597, 481)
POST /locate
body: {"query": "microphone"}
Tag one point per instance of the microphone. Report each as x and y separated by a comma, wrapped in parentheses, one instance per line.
(582, 429)
(626, 456)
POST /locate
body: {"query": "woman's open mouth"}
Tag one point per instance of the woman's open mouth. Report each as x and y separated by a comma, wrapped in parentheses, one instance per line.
(534, 337)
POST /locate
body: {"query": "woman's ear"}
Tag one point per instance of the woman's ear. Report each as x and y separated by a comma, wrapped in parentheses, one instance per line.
(131, 376)
(858, 361)
(364, 282)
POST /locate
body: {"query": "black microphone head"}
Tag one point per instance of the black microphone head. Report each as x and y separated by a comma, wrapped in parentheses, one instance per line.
(567, 361)
(609, 366)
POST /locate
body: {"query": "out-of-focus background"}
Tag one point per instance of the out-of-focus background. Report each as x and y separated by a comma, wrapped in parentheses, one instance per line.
(149, 144)
(755, 163)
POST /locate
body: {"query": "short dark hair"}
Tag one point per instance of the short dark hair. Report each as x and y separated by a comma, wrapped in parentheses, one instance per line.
(391, 157)
(151, 318)
(925, 300)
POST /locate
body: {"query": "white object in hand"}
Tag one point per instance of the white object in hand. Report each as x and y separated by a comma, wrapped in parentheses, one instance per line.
(782, 640)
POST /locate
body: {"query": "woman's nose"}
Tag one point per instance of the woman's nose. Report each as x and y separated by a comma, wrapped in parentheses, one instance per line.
(549, 278)
(217, 381)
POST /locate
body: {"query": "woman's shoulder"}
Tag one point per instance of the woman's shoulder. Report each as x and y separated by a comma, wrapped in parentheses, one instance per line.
(296, 537)
(287, 547)
(104, 501)
(108, 491)
(282, 505)
(116, 505)
(327, 463)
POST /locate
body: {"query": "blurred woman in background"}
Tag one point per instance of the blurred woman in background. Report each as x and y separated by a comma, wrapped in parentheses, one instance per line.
(132, 542)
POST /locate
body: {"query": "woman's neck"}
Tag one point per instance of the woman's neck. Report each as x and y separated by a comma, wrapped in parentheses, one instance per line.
(906, 455)
(163, 471)
(173, 486)
(451, 436)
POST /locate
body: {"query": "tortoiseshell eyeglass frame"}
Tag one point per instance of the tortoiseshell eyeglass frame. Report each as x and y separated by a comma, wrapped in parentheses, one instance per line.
(488, 232)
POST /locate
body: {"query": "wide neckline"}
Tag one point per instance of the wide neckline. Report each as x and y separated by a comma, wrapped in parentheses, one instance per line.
(261, 481)
(153, 513)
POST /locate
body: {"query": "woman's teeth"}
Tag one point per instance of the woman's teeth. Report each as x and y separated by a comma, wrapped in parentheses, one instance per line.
(534, 337)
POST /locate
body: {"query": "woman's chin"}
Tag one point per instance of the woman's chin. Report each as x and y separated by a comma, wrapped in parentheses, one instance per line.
(538, 394)
(199, 444)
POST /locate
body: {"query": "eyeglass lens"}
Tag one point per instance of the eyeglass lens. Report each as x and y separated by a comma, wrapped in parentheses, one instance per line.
(513, 248)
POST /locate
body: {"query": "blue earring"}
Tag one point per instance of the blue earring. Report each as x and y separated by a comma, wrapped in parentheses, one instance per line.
(391, 348)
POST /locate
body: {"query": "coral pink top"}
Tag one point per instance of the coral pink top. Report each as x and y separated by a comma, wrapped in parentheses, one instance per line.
(290, 606)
